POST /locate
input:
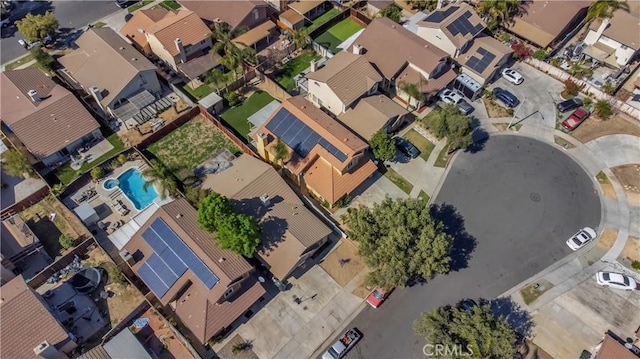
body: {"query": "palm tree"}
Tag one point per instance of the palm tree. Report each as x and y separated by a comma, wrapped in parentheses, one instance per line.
(413, 90)
(231, 63)
(163, 177)
(215, 77)
(282, 152)
(601, 9)
(496, 12)
(301, 38)
(429, 5)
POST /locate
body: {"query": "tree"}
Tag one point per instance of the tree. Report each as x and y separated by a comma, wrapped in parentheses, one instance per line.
(97, 173)
(239, 233)
(399, 240)
(603, 109)
(215, 77)
(413, 91)
(571, 89)
(478, 331)
(301, 38)
(497, 12)
(15, 163)
(428, 5)
(540, 54)
(393, 12)
(66, 241)
(42, 57)
(163, 177)
(382, 146)
(282, 152)
(211, 209)
(450, 123)
(223, 35)
(601, 9)
(37, 27)
(195, 195)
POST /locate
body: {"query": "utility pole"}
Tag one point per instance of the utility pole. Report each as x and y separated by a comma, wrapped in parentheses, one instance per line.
(516, 113)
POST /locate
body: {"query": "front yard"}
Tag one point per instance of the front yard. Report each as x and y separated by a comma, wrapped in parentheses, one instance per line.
(294, 67)
(338, 34)
(66, 174)
(237, 116)
(425, 146)
(398, 180)
(191, 144)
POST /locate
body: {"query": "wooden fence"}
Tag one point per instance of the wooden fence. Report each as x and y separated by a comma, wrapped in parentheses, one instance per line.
(273, 88)
(31, 199)
(228, 132)
(82, 249)
(163, 131)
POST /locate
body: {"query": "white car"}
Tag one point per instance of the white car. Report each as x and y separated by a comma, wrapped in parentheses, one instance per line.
(616, 281)
(580, 239)
(512, 76)
(450, 96)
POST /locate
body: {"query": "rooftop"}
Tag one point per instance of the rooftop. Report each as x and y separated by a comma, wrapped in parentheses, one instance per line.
(303, 7)
(618, 28)
(231, 12)
(459, 22)
(370, 114)
(141, 20)
(184, 24)
(483, 55)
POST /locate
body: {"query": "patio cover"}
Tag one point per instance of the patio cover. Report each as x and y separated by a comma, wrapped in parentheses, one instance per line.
(258, 118)
(199, 65)
(86, 213)
(125, 345)
(254, 35)
(134, 105)
(292, 17)
(599, 51)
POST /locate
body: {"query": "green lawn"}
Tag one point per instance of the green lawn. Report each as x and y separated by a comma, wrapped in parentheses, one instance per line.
(322, 19)
(199, 92)
(191, 144)
(66, 174)
(425, 146)
(170, 5)
(337, 34)
(237, 117)
(99, 24)
(441, 161)
(294, 67)
(21, 61)
(139, 5)
(398, 180)
(423, 195)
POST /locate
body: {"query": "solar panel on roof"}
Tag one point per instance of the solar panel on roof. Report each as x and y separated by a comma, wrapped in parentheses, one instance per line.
(481, 64)
(297, 135)
(461, 25)
(438, 16)
(162, 270)
(152, 280)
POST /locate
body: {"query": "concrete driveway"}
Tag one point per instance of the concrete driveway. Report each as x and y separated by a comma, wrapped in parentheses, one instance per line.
(540, 91)
(515, 204)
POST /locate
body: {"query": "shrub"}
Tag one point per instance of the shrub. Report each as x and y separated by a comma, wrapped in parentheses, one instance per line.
(505, 37)
(232, 98)
(521, 51)
(635, 265)
(343, 202)
(122, 158)
(66, 241)
(97, 173)
(571, 87)
(540, 54)
(42, 57)
(608, 88)
(587, 102)
(603, 109)
(15, 163)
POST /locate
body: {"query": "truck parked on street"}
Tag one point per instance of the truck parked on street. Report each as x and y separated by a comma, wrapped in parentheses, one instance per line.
(347, 341)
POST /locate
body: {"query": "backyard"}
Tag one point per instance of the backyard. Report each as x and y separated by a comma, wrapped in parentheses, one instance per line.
(66, 174)
(237, 116)
(337, 34)
(294, 67)
(322, 19)
(205, 89)
(191, 144)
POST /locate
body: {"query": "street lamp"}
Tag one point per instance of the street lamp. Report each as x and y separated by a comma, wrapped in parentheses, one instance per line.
(516, 113)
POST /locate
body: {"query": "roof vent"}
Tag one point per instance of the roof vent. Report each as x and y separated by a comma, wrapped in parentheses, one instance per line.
(221, 260)
(265, 199)
(426, 45)
(121, 47)
(303, 107)
(140, 30)
(34, 95)
(179, 215)
(134, 59)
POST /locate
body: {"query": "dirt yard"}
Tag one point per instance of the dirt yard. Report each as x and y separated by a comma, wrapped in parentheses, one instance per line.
(629, 178)
(134, 137)
(227, 351)
(495, 110)
(631, 249)
(345, 253)
(594, 128)
(605, 184)
(160, 338)
(607, 238)
(36, 217)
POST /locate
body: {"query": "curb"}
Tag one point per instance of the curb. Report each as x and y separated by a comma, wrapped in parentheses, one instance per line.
(318, 352)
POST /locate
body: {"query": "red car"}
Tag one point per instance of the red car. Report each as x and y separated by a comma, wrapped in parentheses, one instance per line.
(576, 118)
(378, 296)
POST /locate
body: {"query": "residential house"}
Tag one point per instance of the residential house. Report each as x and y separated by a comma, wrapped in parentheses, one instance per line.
(292, 19)
(325, 158)
(458, 30)
(179, 38)
(342, 80)
(111, 70)
(374, 113)
(46, 117)
(611, 41)
(207, 287)
(614, 347)
(546, 23)
(237, 13)
(29, 329)
(290, 232)
(309, 9)
(258, 38)
(403, 58)
(20, 251)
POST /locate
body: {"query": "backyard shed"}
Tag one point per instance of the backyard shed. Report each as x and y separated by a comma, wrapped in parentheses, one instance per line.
(87, 214)
(212, 103)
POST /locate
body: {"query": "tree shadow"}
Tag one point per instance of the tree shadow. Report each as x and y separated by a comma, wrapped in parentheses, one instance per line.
(479, 137)
(463, 243)
(519, 319)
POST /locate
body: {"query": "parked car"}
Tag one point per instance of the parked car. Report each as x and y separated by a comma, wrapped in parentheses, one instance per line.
(407, 147)
(340, 348)
(580, 239)
(616, 281)
(576, 118)
(450, 96)
(467, 305)
(464, 107)
(507, 98)
(512, 76)
(569, 104)
(123, 4)
(576, 54)
(377, 296)
(5, 20)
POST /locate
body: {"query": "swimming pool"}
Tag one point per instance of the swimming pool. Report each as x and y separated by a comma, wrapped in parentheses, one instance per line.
(132, 185)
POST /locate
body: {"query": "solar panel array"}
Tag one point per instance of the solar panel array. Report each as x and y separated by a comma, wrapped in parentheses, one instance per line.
(479, 65)
(461, 25)
(300, 137)
(438, 16)
(171, 258)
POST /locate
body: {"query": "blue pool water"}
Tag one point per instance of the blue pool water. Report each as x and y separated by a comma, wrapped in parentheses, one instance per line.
(132, 184)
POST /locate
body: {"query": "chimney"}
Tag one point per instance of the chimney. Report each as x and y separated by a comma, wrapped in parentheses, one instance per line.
(34, 96)
(261, 142)
(45, 350)
(314, 66)
(358, 49)
(182, 55)
(266, 201)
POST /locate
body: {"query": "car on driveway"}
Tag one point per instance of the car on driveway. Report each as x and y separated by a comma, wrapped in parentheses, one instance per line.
(616, 281)
(512, 76)
(569, 104)
(407, 147)
(123, 4)
(507, 98)
(577, 117)
(377, 296)
(464, 107)
(467, 305)
(580, 239)
(450, 96)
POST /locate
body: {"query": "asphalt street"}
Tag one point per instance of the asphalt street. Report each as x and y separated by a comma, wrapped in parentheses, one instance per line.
(70, 14)
(519, 200)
